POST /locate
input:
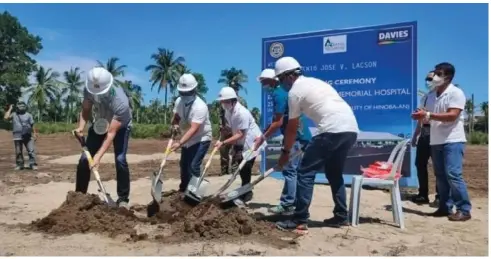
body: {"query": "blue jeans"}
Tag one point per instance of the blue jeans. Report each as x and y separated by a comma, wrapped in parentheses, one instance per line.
(447, 161)
(326, 152)
(288, 194)
(190, 163)
(120, 144)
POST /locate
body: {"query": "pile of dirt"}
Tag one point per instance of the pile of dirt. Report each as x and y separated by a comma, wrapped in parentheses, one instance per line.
(83, 213)
(209, 221)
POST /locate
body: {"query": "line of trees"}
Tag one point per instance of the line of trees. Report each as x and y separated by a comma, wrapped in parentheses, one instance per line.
(55, 96)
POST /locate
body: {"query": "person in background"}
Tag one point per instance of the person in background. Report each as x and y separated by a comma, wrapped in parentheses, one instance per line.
(337, 133)
(280, 105)
(191, 117)
(23, 129)
(244, 131)
(447, 141)
(421, 140)
(111, 124)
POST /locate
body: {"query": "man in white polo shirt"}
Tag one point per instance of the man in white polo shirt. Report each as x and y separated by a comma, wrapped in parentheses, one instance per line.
(327, 151)
(191, 114)
(447, 140)
(244, 131)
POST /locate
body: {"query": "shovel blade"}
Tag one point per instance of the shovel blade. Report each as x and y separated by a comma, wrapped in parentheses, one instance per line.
(105, 196)
(196, 192)
(235, 194)
(157, 187)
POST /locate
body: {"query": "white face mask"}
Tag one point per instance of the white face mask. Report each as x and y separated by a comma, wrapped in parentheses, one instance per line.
(227, 106)
(437, 81)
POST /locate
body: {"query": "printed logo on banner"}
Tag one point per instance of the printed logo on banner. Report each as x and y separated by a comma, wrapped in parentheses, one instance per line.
(276, 50)
(393, 36)
(335, 44)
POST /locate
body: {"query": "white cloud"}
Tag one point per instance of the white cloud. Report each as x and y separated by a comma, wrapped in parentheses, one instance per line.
(65, 62)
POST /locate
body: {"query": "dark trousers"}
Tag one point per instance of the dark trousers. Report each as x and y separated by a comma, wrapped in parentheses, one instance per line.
(246, 171)
(27, 142)
(94, 143)
(423, 154)
(190, 163)
(225, 158)
(326, 152)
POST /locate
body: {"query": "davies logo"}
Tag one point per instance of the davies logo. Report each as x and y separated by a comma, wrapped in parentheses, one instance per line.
(393, 36)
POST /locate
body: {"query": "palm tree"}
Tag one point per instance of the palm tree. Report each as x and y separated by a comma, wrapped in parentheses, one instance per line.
(235, 78)
(44, 89)
(469, 110)
(202, 88)
(256, 114)
(72, 91)
(164, 72)
(135, 96)
(484, 110)
(113, 68)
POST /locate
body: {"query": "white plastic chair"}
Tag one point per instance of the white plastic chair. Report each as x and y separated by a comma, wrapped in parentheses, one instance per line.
(390, 180)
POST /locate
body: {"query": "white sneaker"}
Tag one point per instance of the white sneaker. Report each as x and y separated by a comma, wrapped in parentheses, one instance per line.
(123, 204)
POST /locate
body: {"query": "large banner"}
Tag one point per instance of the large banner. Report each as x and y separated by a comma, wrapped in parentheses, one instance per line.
(374, 70)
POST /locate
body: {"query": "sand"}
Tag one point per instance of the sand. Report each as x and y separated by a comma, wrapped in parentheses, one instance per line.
(376, 234)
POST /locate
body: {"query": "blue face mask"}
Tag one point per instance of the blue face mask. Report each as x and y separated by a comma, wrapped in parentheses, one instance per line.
(188, 98)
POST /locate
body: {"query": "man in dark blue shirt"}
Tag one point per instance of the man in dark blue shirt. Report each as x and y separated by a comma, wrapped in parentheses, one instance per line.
(280, 120)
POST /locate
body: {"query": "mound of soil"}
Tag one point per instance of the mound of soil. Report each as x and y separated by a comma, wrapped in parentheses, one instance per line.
(83, 213)
(209, 221)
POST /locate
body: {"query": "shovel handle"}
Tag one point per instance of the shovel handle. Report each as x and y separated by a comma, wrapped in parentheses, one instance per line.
(80, 138)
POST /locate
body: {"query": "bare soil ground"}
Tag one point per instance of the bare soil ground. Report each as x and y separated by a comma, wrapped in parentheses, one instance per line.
(38, 215)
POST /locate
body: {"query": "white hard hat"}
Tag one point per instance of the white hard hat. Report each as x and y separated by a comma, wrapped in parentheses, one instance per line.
(285, 64)
(98, 81)
(226, 93)
(187, 83)
(267, 73)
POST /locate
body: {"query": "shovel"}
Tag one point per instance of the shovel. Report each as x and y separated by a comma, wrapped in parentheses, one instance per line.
(249, 155)
(236, 193)
(102, 190)
(156, 181)
(197, 186)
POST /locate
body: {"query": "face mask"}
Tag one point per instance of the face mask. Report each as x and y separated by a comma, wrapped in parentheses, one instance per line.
(188, 98)
(21, 109)
(437, 81)
(102, 97)
(227, 106)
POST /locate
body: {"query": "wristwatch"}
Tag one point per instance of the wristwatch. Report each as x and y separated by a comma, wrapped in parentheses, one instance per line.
(427, 115)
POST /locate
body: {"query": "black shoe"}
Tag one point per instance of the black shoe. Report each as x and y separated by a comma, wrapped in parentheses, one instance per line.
(439, 214)
(420, 199)
(336, 222)
(247, 196)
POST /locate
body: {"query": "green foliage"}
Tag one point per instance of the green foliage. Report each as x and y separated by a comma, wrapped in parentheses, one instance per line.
(477, 138)
(17, 46)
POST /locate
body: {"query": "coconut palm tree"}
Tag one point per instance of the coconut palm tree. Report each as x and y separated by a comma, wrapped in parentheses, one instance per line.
(135, 96)
(202, 88)
(113, 68)
(44, 89)
(164, 72)
(73, 89)
(256, 114)
(469, 110)
(235, 78)
(484, 110)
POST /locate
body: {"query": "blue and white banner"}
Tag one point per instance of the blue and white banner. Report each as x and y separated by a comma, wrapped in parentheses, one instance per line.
(374, 70)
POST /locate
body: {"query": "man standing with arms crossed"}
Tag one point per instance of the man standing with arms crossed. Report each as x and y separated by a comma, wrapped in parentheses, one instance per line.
(111, 125)
(337, 132)
(280, 102)
(447, 140)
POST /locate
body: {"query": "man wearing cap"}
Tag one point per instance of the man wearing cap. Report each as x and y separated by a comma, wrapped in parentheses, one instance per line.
(192, 117)
(22, 129)
(111, 124)
(244, 131)
(280, 105)
(327, 151)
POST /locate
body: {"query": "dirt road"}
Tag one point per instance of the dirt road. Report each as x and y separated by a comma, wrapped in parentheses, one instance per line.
(26, 196)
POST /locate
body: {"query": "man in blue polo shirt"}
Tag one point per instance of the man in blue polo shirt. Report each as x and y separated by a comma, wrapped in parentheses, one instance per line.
(280, 120)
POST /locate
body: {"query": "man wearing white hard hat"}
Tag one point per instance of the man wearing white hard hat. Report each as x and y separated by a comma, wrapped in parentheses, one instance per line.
(244, 131)
(337, 130)
(192, 117)
(280, 108)
(111, 125)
